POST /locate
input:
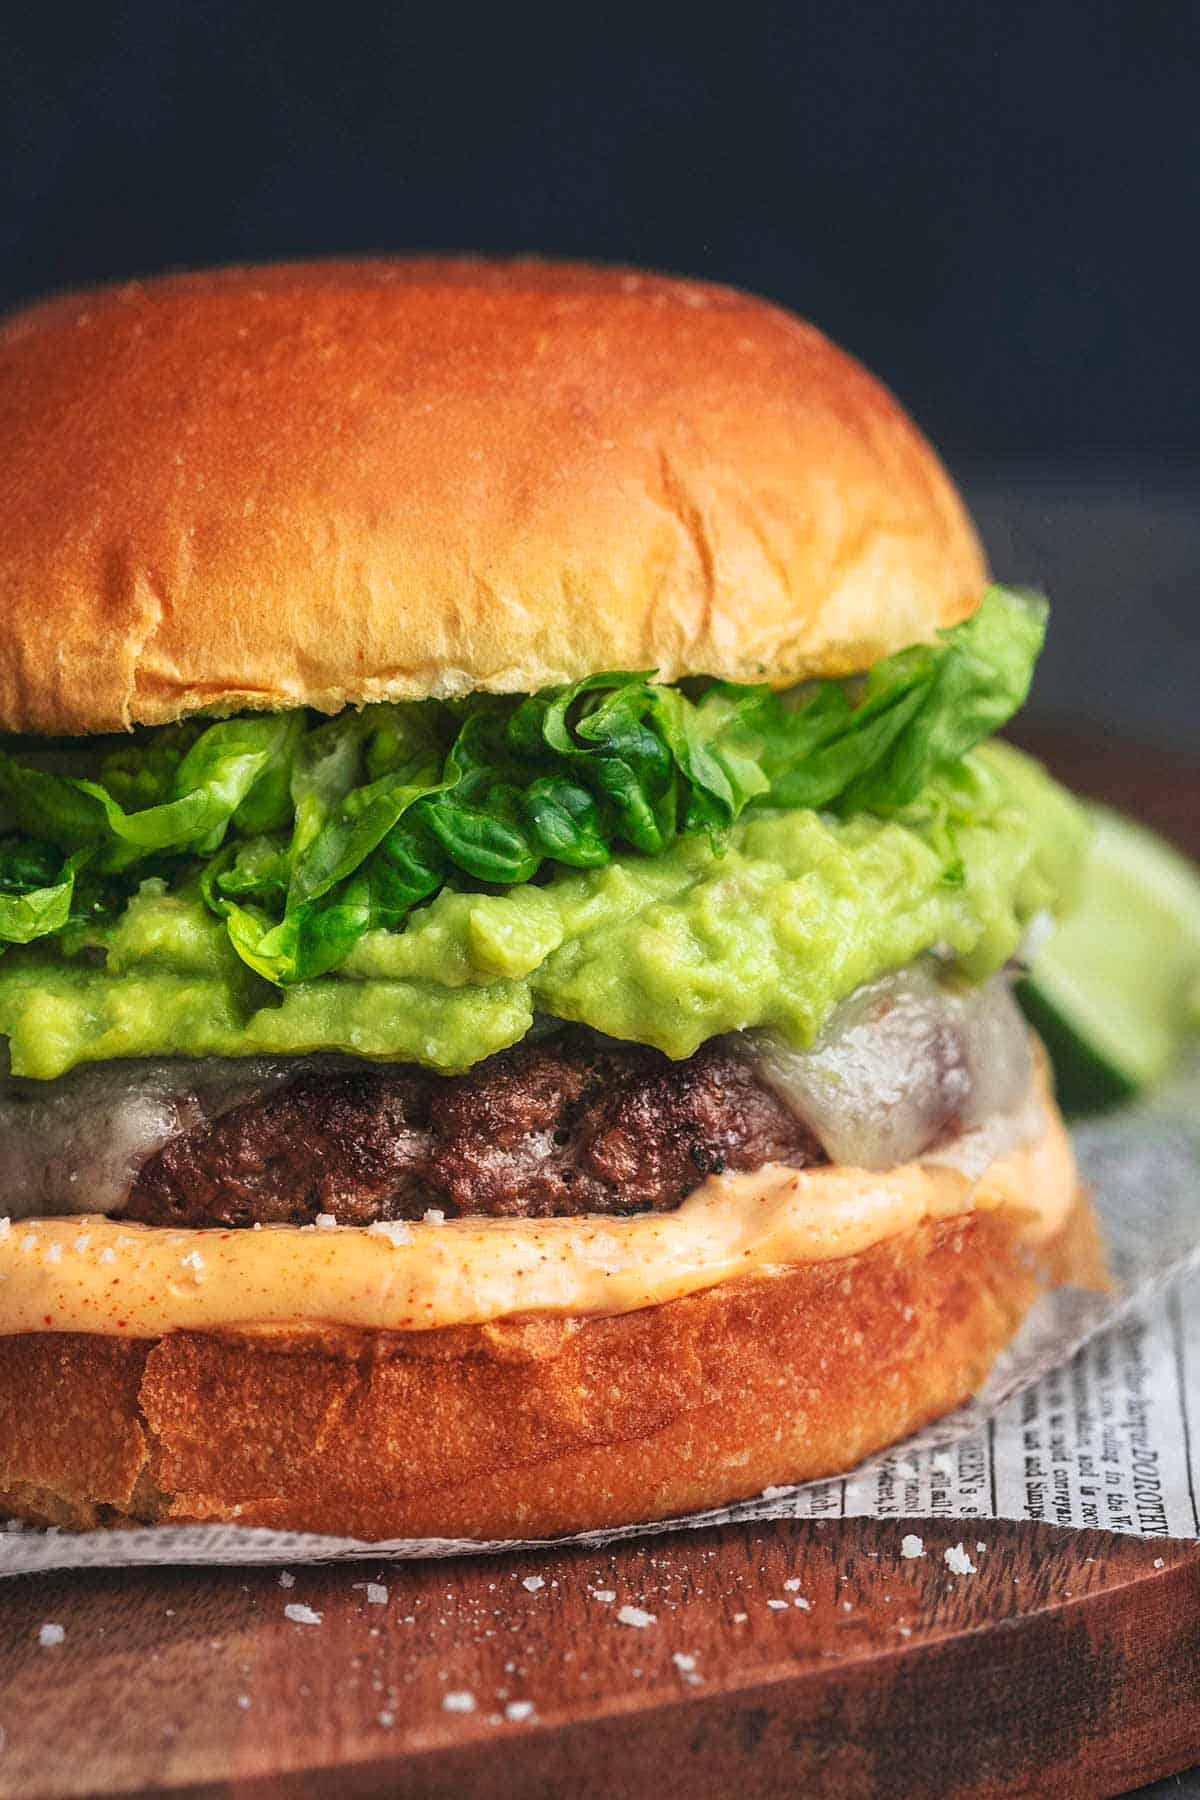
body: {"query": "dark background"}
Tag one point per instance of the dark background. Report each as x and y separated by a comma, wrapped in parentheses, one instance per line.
(996, 207)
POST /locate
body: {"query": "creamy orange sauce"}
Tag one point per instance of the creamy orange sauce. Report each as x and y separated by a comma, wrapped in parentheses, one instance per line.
(95, 1274)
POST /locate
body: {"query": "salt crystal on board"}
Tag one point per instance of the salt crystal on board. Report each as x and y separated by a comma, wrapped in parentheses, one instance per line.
(634, 1615)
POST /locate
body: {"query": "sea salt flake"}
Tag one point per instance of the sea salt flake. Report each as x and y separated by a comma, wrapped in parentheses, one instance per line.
(394, 1230)
(777, 1605)
(912, 1546)
(958, 1562)
(791, 1585)
(533, 1582)
(49, 1635)
(5, 1227)
(802, 1603)
(634, 1615)
(377, 1594)
(325, 1222)
(433, 1216)
(286, 1578)
(516, 1710)
(302, 1615)
(386, 1719)
(243, 1701)
(683, 1661)
(604, 1594)
(461, 1702)
(1159, 1563)
(81, 1242)
(108, 1254)
(54, 1253)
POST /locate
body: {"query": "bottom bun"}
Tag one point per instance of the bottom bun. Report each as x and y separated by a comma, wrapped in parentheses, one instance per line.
(530, 1427)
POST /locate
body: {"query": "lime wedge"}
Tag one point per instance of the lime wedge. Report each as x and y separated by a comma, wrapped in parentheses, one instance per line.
(1117, 987)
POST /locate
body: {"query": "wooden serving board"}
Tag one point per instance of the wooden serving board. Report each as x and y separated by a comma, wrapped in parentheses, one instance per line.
(787, 1658)
(1068, 1665)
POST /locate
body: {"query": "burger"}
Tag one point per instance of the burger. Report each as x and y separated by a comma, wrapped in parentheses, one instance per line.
(509, 903)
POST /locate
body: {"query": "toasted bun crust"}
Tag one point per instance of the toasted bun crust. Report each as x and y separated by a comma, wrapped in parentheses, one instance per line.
(526, 1427)
(341, 482)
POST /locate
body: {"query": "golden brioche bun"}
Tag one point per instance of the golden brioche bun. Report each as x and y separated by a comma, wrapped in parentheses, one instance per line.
(526, 1427)
(331, 483)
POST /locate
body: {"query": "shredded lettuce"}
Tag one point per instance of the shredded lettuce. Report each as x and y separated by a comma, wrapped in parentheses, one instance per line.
(308, 834)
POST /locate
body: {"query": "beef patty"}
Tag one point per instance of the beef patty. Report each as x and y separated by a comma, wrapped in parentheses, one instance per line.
(562, 1126)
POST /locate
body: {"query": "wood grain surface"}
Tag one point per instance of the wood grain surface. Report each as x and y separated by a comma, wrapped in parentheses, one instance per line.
(1067, 1665)
(791, 1658)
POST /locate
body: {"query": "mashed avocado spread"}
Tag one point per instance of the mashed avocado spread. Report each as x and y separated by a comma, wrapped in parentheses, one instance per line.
(770, 926)
(417, 882)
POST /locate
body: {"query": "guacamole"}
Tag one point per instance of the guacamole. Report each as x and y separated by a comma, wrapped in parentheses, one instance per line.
(771, 926)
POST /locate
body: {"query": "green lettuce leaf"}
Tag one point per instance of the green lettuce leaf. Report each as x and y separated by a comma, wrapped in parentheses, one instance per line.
(36, 889)
(307, 834)
(973, 691)
(210, 782)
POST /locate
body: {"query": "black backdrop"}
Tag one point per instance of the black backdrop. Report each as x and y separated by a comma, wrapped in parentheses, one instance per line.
(996, 206)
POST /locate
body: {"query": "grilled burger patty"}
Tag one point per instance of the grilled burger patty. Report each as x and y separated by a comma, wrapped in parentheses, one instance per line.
(565, 1123)
(561, 1126)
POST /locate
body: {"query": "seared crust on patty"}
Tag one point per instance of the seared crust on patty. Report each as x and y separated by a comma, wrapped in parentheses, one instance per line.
(563, 1126)
(531, 1426)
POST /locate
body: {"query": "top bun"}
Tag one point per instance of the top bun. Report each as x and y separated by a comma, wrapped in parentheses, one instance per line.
(337, 482)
